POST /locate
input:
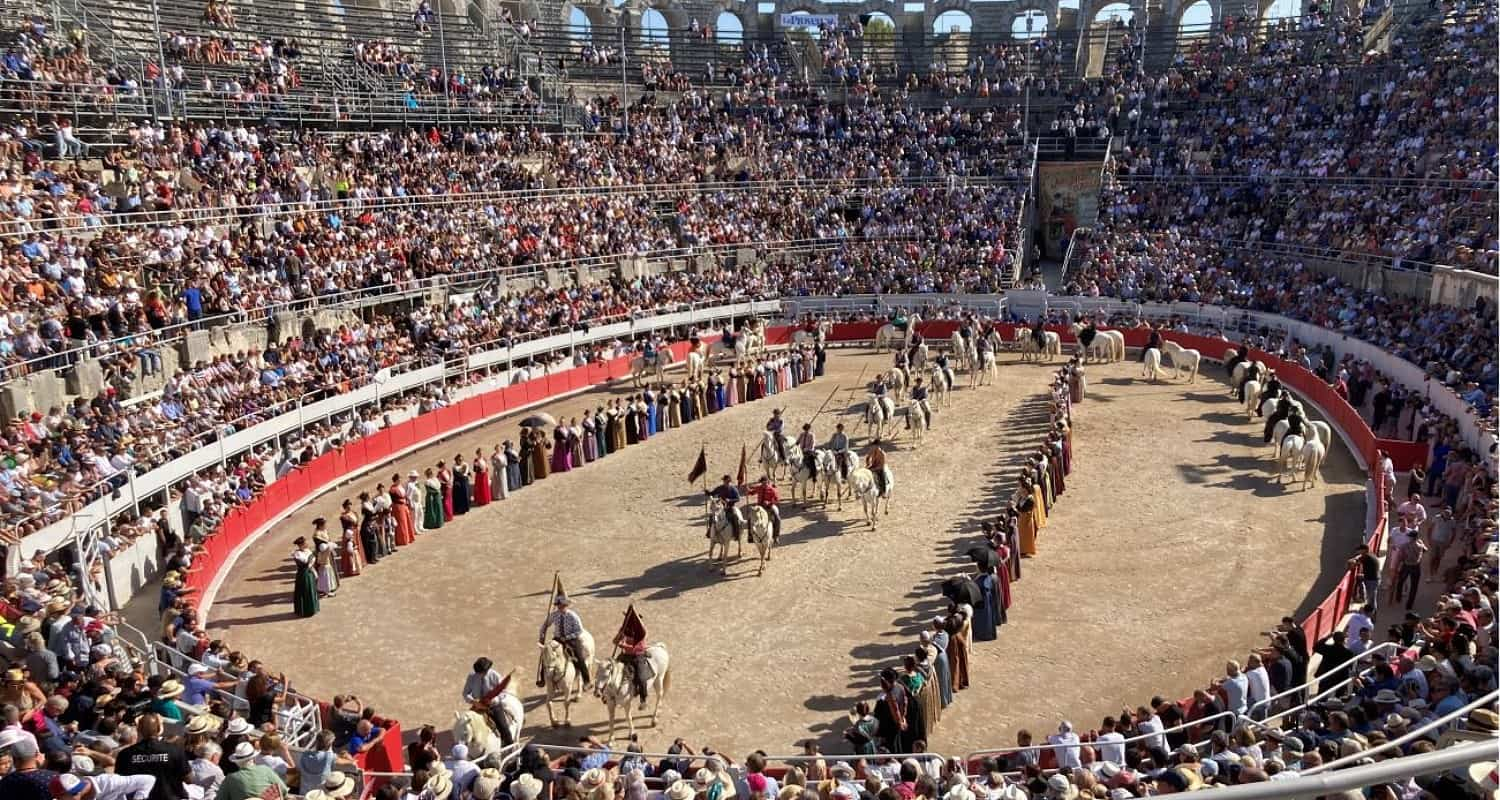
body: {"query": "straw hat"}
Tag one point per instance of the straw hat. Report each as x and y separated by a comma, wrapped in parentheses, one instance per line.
(526, 787)
(58, 605)
(243, 753)
(169, 690)
(487, 785)
(203, 723)
(28, 625)
(439, 786)
(593, 779)
(1060, 788)
(336, 785)
(679, 790)
(1484, 776)
(239, 726)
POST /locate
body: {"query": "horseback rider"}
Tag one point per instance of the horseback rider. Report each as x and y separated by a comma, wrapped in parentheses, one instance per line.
(1296, 425)
(567, 630)
(1155, 340)
(1251, 373)
(1240, 354)
(839, 444)
(727, 336)
(914, 342)
(648, 351)
(484, 691)
(767, 498)
(1273, 385)
(1039, 332)
(630, 643)
(1088, 334)
(730, 497)
(877, 386)
(774, 425)
(875, 463)
(942, 364)
(1283, 408)
(919, 396)
(808, 445)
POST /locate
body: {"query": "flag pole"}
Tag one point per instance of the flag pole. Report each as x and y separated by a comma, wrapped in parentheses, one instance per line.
(541, 652)
(821, 408)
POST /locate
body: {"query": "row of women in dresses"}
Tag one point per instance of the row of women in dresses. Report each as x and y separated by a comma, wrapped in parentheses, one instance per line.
(392, 516)
(912, 699)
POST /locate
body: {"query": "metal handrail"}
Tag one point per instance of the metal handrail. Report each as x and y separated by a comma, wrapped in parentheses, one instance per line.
(1370, 653)
(1000, 751)
(1418, 732)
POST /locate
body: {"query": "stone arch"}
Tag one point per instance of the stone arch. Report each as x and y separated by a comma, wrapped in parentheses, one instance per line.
(1187, 23)
(729, 27)
(1271, 10)
(598, 18)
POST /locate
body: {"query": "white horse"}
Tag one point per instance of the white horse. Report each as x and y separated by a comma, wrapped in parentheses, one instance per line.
(919, 356)
(720, 534)
(760, 536)
(1152, 366)
(916, 417)
(612, 684)
(1286, 461)
(889, 337)
(963, 354)
(657, 367)
(1239, 373)
(1183, 358)
(753, 334)
(1252, 398)
(475, 731)
(772, 460)
(879, 412)
(818, 335)
(862, 481)
(695, 364)
(1102, 348)
(896, 381)
(831, 479)
(942, 385)
(563, 681)
(988, 370)
(1313, 453)
(1049, 346)
(1116, 343)
(805, 478)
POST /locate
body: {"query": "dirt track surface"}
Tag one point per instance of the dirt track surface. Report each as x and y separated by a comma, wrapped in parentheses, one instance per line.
(1171, 549)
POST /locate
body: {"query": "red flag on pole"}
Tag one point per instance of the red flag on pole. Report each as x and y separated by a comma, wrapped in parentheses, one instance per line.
(741, 476)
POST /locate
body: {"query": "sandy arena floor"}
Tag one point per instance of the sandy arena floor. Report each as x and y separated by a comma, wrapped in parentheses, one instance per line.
(1171, 550)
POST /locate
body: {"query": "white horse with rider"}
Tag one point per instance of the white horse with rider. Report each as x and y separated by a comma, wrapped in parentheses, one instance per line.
(563, 681)
(890, 337)
(818, 335)
(476, 731)
(916, 419)
(1151, 366)
(963, 351)
(864, 486)
(656, 365)
(1106, 346)
(613, 685)
(1033, 350)
(880, 412)
(721, 532)
(941, 383)
(774, 460)
(822, 464)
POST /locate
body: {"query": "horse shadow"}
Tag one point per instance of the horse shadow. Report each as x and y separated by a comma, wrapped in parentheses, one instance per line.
(1222, 417)
(668, 579)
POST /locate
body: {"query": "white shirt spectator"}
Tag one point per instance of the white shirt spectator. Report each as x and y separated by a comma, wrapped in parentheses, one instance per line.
(1065, 746)
(1152, 730)
(1111, 747)
(1260, 684)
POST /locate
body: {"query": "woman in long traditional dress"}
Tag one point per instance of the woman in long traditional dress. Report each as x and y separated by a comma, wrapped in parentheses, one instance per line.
(562, 455)
(482, 487)
(385, 524)
(1026, 530)
(462, 488)
(588, 439)
(617, 425)
(649, 398)
(958, 627)
(325, 554)
(432, 507)
(406, 529)
(528, 461)
(445, 479)
(305, 583)
(642, 419)
(575, 442)
(674, 408)
(987, 613)
(369, 529)
(350, 560)
(539, 448)
(499, 480)
(630, 422)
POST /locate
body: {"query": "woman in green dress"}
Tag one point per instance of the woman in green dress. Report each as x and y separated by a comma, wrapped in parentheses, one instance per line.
(305, 586)
(432, 503)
